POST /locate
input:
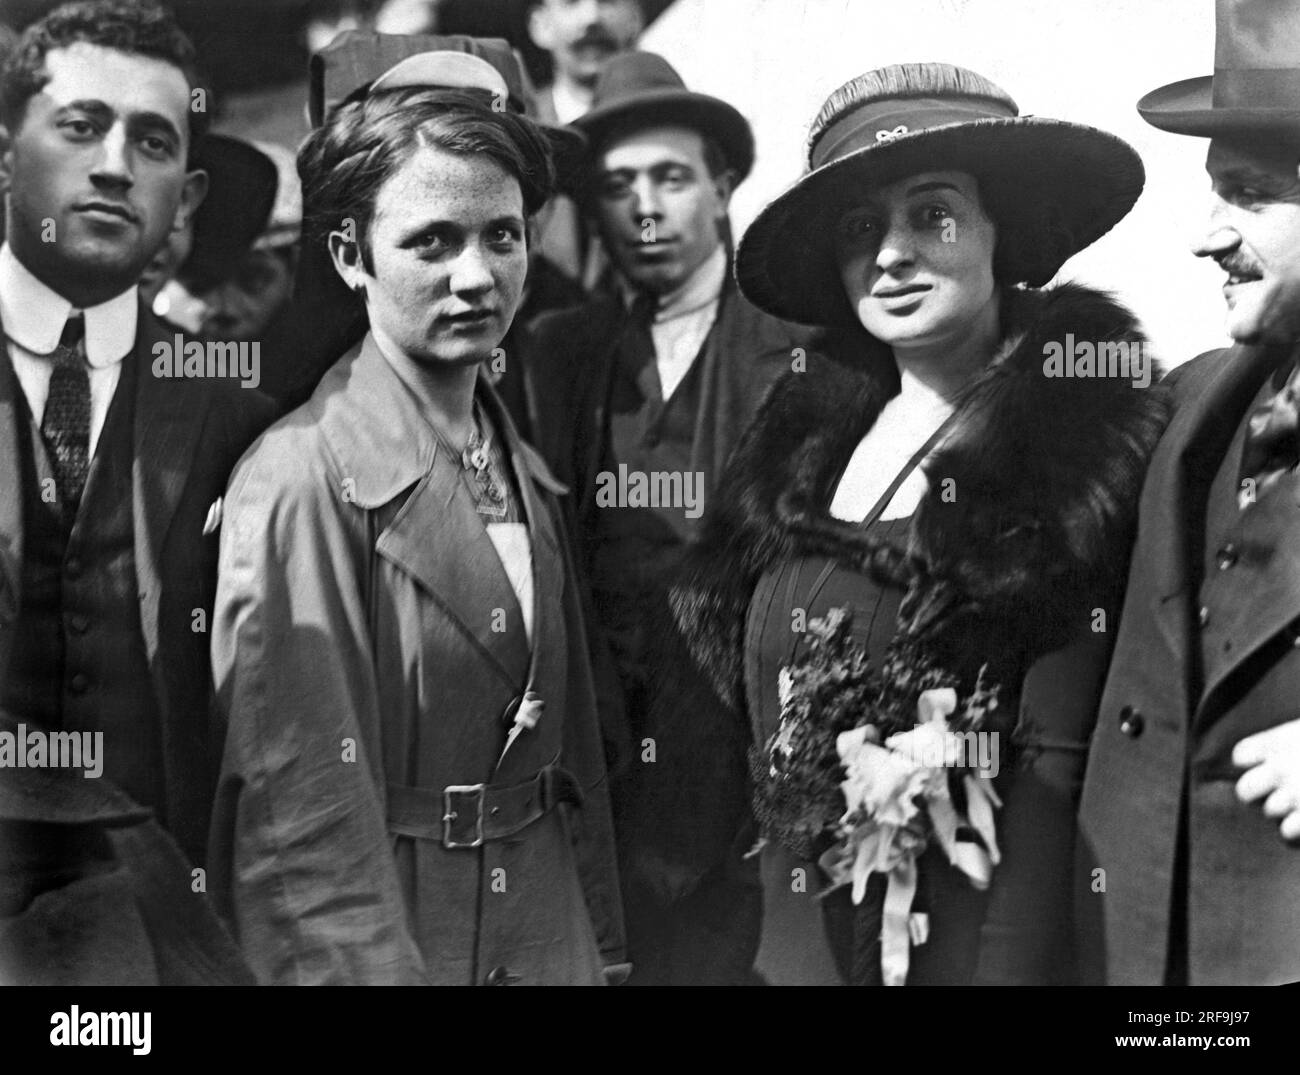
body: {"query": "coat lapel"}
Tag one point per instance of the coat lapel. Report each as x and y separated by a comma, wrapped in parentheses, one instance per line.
(169, 418)
(11, 494)
(384, 447)
(1173, 499)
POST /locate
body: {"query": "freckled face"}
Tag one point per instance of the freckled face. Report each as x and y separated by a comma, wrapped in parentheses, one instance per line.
(449, 257)
(916, 258)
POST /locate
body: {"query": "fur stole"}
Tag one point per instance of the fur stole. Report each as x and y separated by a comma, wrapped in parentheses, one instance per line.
(1046, 473)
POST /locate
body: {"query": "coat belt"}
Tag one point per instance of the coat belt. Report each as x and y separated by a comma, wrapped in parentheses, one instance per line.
(468, 815)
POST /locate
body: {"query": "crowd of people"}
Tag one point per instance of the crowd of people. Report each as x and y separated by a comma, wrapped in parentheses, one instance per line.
(450, 556)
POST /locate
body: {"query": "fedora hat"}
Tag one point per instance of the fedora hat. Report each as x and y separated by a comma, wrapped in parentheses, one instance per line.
(642, 89)
(357, 61)
(1063, 185)
(1255, 88)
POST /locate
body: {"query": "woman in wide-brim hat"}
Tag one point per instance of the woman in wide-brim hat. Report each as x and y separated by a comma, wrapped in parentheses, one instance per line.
(943, 472)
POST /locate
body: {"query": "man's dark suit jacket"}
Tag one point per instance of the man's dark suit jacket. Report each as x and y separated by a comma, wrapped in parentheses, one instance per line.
(188, 435)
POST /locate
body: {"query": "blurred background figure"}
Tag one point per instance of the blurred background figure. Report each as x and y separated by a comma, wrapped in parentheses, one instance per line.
(581, 36)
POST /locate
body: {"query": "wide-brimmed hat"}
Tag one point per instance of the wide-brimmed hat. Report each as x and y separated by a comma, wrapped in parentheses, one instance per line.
(1255, 88)
(642, 89)
(354, 61)
(1064, 184)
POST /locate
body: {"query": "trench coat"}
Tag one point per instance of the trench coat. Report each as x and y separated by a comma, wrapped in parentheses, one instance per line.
(367, 647)
(1160, 742)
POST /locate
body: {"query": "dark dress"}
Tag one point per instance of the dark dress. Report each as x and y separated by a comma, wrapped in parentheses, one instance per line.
(809, 939)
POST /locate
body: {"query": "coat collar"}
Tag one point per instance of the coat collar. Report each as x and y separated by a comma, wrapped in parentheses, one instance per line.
(383, 447)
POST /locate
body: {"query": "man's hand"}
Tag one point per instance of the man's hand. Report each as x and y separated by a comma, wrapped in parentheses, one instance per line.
(1272, 763)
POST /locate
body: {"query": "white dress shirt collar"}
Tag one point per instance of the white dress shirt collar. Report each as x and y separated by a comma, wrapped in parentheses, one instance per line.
(702, 287)
(34, 315)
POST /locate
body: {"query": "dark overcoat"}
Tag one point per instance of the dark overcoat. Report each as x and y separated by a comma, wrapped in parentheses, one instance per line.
(1159, 742)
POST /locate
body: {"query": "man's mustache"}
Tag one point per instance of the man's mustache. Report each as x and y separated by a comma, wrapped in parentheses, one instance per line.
(596, 37)
(1236, 265)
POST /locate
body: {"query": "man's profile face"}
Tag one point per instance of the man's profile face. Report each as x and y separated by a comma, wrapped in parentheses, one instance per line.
(1254, 234)
(581, 35)
(97, 169)
(658, 209)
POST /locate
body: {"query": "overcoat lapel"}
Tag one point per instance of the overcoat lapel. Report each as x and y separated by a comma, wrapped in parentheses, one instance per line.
(169, 417)
(385, 447)
(1265, 599)
(547, 667)
(439, 540)
(11, 494)
(1173, 501)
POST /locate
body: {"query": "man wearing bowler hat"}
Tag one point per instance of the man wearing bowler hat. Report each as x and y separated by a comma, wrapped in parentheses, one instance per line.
(1190, 817)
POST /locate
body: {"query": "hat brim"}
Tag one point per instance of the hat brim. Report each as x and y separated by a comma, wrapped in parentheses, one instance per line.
(675, 107)
(1187, 107)
(786, 262)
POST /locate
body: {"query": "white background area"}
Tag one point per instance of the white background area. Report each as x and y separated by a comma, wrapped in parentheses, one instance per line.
(1083, 60)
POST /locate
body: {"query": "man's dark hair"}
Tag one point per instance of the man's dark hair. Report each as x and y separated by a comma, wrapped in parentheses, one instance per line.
(363, 143)
(138, 27)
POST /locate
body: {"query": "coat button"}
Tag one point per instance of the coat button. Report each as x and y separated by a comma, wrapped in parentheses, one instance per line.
(79, 623)
(1228, 556)
(1130, 722)
(500, 976)
(79, 683)
(1203, 617)
(72, 568)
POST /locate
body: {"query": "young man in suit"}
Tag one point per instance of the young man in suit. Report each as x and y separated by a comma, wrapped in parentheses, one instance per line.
(111, 474)
(1190, 814)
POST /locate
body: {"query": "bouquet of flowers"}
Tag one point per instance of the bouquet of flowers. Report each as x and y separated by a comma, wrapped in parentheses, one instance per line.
(868, 765)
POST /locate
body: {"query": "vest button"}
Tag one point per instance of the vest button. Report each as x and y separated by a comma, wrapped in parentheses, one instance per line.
(500, 976)
(79, 683)
(1228, 556)
(1203, 617)
(1131, 722)
(72, 567)
(79, 623)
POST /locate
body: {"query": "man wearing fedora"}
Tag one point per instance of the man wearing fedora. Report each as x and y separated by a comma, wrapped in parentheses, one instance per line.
(1190, 813)
(655, 380)
(111, 477)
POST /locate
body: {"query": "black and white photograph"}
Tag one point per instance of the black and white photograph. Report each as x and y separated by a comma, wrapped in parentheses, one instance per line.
(650, 493)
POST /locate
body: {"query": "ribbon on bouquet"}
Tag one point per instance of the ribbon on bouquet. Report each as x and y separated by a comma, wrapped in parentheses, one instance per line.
(883, 783)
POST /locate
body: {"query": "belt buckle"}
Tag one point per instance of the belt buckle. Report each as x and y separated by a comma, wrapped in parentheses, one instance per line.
(452, 809)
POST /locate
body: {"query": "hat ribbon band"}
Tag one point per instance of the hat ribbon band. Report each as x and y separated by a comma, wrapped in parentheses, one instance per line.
(873, 125)
(1257, 88)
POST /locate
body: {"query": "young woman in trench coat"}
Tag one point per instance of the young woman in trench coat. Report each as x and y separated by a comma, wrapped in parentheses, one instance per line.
(413, 787)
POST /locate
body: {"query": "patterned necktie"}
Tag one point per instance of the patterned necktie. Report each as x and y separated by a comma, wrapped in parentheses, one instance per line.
(66, 422)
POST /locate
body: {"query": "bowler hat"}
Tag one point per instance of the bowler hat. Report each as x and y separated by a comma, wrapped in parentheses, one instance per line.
(1061, 185)
(241, 191)
(1255, 88)
(641, 89)
(356, 59)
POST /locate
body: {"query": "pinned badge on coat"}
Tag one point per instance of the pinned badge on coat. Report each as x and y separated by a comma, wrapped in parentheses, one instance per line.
(214, 517)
